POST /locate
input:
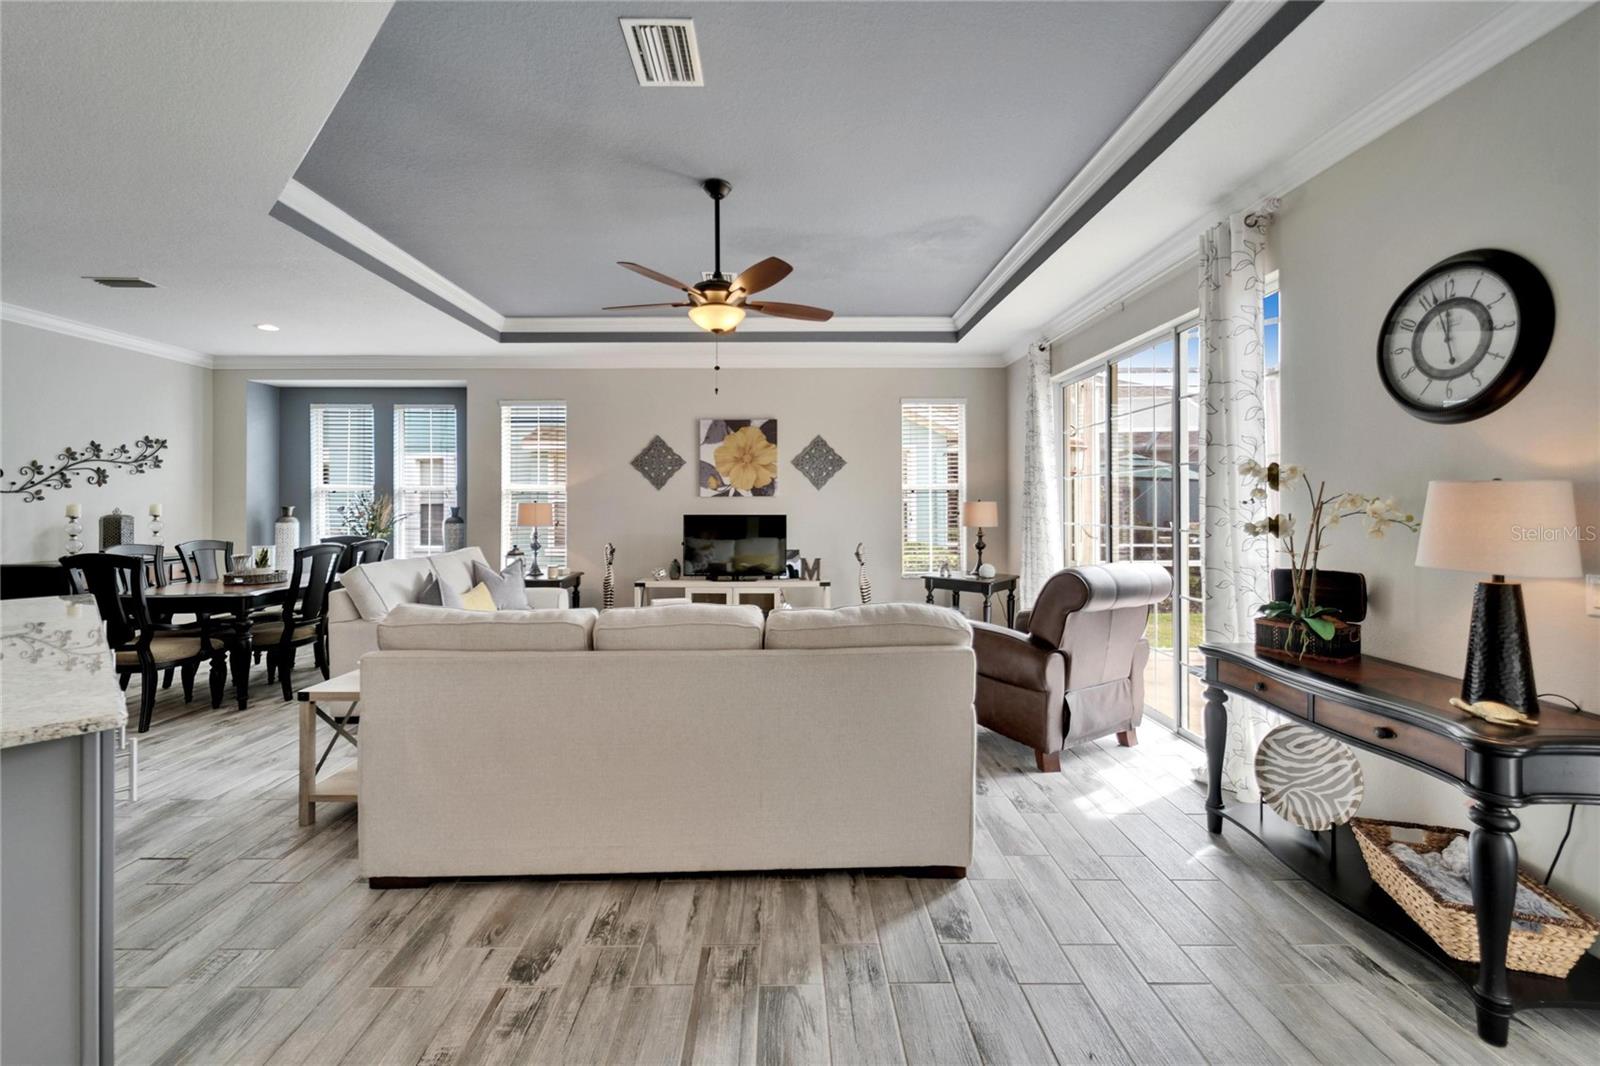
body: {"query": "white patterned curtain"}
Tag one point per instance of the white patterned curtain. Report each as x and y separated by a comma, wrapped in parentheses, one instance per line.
(1041, 488)
(1236, 566)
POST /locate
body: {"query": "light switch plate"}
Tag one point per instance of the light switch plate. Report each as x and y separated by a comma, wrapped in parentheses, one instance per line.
(1591, 595)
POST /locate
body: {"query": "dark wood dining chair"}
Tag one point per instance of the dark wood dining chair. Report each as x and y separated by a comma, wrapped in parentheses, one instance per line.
(305, 614)
(117, 581)
(154, 555)
(371, 550)
(345, 540)
(205, 560)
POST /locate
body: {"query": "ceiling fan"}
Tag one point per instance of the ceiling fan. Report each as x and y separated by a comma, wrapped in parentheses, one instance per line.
(719, 303)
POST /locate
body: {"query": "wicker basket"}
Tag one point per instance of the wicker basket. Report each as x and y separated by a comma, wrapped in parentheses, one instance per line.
(1554, 948)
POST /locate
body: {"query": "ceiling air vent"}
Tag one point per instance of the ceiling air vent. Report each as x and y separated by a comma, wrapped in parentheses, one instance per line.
(664, 51)
(121, 283)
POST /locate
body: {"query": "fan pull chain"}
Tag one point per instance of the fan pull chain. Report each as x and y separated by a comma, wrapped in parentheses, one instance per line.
(716, 368)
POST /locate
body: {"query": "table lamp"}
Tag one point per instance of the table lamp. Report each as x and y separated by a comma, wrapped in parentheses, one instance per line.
(977, 514)
(535, 515)
(1501, 528)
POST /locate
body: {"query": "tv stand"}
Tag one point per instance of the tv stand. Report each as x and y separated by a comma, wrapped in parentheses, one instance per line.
(767, 593)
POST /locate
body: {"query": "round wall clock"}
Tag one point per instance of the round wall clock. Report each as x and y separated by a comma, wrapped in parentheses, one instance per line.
(1466, 336)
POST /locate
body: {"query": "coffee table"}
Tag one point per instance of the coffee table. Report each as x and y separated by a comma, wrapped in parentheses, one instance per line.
(342, 786)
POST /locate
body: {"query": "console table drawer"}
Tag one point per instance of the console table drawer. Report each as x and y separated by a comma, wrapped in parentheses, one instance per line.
(1261, 687)
(1405, 740)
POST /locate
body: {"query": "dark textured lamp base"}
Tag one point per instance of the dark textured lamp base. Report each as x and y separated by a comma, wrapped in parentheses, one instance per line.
(1499, 661)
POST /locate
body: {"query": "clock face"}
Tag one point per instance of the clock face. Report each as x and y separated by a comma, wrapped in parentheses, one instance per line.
(1466, 336)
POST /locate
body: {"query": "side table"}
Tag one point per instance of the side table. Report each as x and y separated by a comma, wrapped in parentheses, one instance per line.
(569, 581)
(342, 786)
(986, 587)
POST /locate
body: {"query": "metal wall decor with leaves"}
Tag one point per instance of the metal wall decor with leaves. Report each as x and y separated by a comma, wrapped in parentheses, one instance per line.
(818, 461)
(658, 462)
(92, 464)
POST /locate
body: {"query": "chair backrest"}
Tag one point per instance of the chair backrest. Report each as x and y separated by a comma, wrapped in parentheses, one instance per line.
(308, 602)
(205, 560)
(1097, 615)
(347, 560)
(155, 555)
(117, 582)
(372, 550)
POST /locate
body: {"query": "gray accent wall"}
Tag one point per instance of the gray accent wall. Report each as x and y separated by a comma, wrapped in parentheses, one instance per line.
(294, 453)
(261, 440)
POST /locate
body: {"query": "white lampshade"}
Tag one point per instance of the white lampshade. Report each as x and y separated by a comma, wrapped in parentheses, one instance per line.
(980, 513)
(535, 514)
(1512, 528)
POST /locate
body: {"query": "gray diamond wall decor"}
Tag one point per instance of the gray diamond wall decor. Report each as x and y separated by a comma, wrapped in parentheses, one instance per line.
(658, 462)
(818, 462)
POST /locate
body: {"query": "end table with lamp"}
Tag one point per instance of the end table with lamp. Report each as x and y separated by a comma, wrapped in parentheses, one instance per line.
(980, 515)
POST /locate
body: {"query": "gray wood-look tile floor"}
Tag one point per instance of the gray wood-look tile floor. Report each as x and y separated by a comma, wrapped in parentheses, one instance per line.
(1100, 923)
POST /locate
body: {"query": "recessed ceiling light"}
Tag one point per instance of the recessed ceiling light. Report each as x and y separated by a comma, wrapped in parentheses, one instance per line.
(266, 327)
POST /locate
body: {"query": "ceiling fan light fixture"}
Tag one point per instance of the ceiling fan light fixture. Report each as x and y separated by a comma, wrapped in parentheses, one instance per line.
(717, 317)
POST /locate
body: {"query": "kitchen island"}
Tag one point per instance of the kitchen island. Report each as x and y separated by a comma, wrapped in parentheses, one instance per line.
(60, 709)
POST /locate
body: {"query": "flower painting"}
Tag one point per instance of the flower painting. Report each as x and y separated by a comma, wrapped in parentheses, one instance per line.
(738, 457)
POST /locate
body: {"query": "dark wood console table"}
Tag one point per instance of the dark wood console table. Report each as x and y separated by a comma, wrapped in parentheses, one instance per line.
(1404, 714)
(571, 580)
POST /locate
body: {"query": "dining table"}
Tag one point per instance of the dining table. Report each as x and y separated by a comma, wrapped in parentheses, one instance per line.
(230, 606)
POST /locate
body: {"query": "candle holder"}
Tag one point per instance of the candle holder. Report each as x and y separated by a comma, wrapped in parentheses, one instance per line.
(155, 529)
(74, 535)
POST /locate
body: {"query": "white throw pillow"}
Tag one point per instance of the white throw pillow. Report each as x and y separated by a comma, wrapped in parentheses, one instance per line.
(454, 569)
(682, 627)
(875, 625)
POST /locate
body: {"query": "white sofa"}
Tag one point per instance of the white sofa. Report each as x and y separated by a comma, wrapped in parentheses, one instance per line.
(666, 739)
(369, 592)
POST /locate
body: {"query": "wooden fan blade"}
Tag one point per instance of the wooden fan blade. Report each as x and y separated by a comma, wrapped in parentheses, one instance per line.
(655, 275)
(763, 275)
(778, 310)
(636, 307)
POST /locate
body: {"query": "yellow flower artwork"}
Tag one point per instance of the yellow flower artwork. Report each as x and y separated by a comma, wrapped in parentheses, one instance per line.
(738, 456)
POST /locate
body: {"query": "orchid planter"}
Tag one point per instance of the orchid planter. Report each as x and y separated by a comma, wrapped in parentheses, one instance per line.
(1293, 637)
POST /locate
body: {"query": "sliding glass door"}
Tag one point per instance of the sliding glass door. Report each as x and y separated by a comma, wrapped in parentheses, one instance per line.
(1131, 489)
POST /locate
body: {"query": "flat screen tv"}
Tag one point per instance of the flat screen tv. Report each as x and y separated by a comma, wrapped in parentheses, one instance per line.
(734, 545)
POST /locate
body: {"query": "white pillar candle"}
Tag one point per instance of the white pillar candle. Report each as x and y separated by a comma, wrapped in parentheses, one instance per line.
(155, 510)
(74, 510)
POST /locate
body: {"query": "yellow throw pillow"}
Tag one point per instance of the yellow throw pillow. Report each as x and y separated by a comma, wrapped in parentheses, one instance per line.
(478, 598)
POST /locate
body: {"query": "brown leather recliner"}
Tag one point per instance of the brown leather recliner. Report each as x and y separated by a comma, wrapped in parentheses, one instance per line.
(1073, 670)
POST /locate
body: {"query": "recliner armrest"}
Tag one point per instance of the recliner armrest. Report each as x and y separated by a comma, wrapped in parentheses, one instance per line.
(1016, 659)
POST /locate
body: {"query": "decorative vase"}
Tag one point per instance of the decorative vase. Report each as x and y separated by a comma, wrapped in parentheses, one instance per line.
(674, 570)
(286, 536)
(455, 531)
(1292, 637)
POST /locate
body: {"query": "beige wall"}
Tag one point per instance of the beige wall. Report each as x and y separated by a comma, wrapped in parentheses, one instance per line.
(612, 414)
(1511, 160)
(57, 392)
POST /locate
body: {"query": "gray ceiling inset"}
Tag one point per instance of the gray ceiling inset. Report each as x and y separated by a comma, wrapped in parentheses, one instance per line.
(892, 152)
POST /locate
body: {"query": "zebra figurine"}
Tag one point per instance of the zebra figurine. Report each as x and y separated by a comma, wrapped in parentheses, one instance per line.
(862, 583)
(608, 589)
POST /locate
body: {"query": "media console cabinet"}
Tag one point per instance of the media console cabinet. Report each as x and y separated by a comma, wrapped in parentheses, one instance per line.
(768, 594)
(1404, 714)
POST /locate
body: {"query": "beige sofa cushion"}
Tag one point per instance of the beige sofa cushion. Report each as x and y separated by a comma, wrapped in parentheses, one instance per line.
(876, 625)
(680, 627)
(378, 588)
(414, 627)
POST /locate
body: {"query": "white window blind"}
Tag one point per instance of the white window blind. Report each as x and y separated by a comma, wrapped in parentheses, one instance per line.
(932, 482)
(424, 475)
(533, 469)
(342, 464)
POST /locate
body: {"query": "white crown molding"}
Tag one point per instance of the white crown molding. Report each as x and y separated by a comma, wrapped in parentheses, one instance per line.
(632, 357)
(69, 327)
(752, 324)
(1496, 39)
(1226, 34)
(364, 238)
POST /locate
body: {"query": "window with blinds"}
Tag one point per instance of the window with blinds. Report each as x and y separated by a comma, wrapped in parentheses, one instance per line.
(533, 469)
(932, 482)
(342, 462)
(424, 476)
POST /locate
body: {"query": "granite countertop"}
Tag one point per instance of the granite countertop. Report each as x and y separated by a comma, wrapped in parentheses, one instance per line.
(57, 676)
